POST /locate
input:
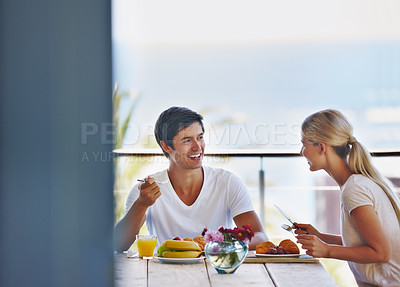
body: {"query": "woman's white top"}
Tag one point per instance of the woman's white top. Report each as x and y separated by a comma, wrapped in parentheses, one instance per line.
(360, 191)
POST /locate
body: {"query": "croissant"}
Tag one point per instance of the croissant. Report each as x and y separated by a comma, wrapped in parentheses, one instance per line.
(290, 246)
(264, 247)
(200, 241)
(187, 239)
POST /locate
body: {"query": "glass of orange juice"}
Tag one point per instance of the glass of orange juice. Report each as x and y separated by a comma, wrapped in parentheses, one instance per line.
(146, 245)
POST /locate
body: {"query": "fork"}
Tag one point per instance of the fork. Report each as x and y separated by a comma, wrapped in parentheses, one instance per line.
(288, 228)
(158, 182)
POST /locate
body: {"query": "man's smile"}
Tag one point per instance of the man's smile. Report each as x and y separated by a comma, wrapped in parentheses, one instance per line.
(195, 156)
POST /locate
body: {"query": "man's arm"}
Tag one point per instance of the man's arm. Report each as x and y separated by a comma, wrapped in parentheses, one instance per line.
(251, 218)
(129, 226)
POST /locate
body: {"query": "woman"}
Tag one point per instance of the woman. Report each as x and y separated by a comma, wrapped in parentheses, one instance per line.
(370, 210)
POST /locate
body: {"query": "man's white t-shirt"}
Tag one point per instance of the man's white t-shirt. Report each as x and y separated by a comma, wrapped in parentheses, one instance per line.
(360, 191)
(222, 197)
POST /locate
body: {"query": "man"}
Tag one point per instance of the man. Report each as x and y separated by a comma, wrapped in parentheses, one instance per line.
(193, 197)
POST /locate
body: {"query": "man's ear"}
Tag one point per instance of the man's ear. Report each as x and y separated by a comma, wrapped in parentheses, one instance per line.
(166, 147)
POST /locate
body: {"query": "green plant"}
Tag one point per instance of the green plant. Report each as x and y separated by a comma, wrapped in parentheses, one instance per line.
(121, 124)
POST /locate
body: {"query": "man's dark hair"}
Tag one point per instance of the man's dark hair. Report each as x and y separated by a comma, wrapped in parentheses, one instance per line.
(172, 121)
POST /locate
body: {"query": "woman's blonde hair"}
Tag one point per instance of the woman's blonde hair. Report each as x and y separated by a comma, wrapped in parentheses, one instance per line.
(333, 129)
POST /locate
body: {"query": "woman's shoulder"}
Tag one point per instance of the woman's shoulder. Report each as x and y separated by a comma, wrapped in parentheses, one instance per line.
(360, 180)
(357, 191)
(360, 184)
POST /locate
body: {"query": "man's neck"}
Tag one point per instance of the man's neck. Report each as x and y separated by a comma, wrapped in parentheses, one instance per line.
(187, 183)
(185, 178)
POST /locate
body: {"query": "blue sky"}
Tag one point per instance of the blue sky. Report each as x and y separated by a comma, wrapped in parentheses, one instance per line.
(262, 63)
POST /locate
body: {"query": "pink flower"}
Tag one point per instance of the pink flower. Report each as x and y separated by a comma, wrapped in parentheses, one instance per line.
(244, 234)
(212, 236)
(216, 249)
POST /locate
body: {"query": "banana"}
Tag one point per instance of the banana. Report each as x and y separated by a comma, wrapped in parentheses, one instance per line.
(181, 254)
(182, 245)
(161, 249)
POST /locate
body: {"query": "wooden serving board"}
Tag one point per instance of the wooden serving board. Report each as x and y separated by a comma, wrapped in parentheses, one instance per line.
(304, 258)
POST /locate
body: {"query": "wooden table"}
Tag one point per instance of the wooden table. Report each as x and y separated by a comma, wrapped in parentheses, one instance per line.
(150, 273)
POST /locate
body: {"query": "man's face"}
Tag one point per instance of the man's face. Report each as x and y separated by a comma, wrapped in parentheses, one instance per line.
(188, 147)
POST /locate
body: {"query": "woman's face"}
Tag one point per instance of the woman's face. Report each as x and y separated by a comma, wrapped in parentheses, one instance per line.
(312, 152)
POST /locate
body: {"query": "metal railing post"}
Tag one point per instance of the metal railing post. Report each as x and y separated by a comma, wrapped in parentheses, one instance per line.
(261, 191)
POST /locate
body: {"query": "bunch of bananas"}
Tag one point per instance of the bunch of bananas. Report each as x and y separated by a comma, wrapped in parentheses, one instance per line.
(179, 249)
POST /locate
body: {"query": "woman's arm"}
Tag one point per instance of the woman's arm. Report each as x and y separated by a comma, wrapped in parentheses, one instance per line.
(375, 250)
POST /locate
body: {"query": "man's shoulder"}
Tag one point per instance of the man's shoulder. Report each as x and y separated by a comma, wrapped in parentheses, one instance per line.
(219, 173)
(216, 170)
(224, 180)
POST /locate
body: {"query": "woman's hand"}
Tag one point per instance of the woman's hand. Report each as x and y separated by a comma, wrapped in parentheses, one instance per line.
(313, 245)
(308, 237)
(149, 192)
(305, 229)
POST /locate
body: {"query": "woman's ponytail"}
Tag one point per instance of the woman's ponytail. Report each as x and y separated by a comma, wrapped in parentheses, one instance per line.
(360, 160)
(360, 163)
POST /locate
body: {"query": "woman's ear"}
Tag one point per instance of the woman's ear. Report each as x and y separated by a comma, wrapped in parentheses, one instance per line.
(165, 147)
(323, 148)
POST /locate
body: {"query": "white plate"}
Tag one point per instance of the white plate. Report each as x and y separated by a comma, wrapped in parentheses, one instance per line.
(277, 255)
(180, 260)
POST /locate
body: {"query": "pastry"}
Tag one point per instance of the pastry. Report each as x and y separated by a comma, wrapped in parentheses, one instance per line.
(264, 247)
(290, 246)
(200, 241)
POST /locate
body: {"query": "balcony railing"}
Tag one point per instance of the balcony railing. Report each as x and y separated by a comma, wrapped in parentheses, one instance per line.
(253, 153)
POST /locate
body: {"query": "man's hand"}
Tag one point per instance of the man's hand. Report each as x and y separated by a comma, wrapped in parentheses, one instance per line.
(149, 192)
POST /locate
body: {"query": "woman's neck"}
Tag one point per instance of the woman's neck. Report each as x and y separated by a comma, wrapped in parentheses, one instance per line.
(338, 169)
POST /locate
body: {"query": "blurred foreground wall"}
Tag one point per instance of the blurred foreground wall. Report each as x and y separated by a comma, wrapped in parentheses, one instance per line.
(56, 204)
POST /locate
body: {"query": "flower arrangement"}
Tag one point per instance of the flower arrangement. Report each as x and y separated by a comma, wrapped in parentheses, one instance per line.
(244, 234)
(227, 248)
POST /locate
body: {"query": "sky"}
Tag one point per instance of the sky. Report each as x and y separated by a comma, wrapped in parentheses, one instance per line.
(299, 56)
(188, 21)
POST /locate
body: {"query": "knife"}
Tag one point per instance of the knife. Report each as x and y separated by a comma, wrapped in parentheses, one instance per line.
(287, 217)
